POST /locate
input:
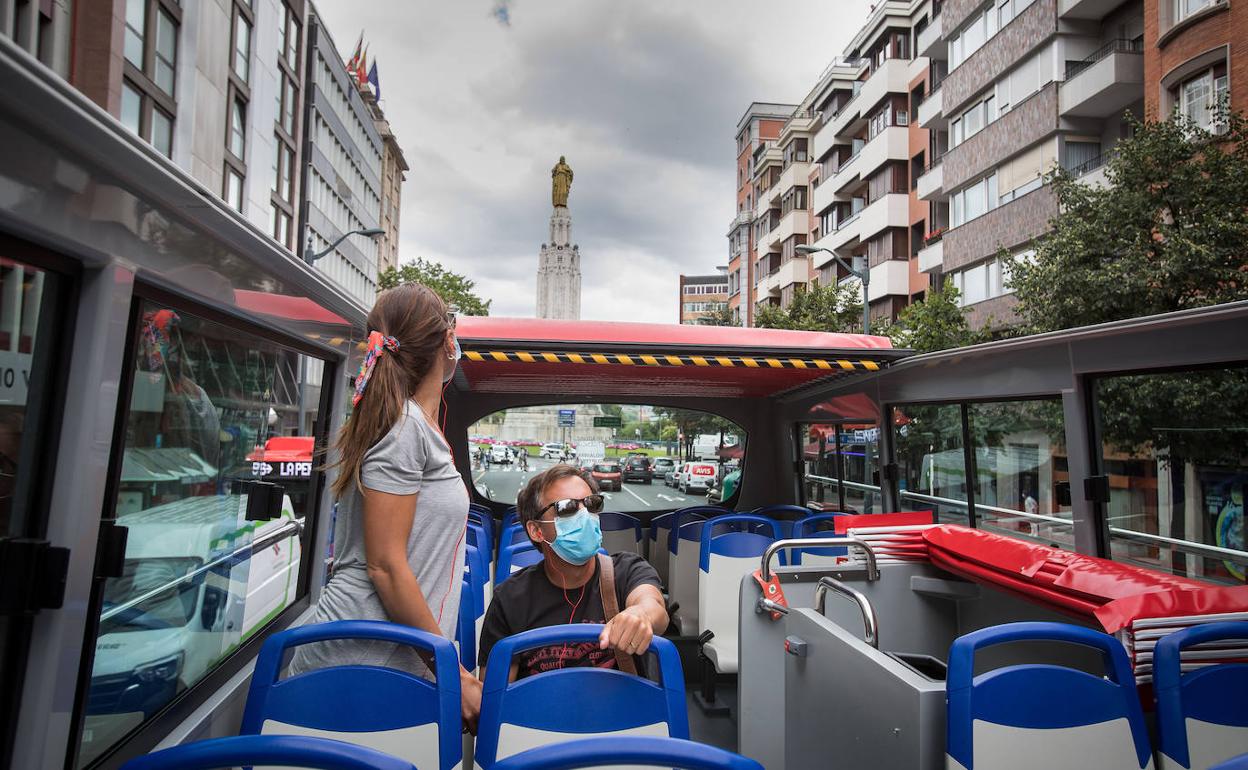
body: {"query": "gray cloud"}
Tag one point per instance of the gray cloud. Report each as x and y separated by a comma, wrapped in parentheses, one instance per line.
(643, 99)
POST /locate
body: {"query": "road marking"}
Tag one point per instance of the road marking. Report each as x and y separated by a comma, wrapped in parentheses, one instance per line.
(677, 499)
(644, 501)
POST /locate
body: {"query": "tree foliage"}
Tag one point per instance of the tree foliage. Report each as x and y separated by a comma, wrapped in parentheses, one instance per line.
(453, 288)
(936, 323)
(1169, 232)
(836, 307)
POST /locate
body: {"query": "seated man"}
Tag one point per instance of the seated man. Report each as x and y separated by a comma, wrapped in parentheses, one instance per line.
(559, 510)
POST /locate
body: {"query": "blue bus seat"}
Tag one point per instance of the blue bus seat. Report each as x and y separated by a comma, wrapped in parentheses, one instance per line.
(620, 532)
(1202, 716)
(633, 751)
(1238, 763)
(787, 515)
(510, 516)
(466, 632)
(477, 573)
(521, 715)
(810, 527)
(506, 560)
(722, 561)
(381, 708)
(523, 556)
(283, 750)
(1039, 717)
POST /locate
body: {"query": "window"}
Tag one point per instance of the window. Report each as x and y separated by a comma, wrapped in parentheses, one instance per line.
(136, 31)
(658, 432)
(1185, 8)
(238, 128)
(283, 176)
(931, 460)
(290, 38)
(131, 107)
(1172, 446)
(1200, 97)
(203, 396)
(233, 188)
(150, 71)
(242, 45)
(986, 280)
(166, 54)
(162, 132)
(973, 201)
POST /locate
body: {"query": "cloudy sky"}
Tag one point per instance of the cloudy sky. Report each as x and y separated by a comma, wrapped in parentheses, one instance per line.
(642, 96)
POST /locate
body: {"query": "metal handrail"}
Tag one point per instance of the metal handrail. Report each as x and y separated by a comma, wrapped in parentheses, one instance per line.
(294, 528)
(871, 633)
(1119, 45)
(989, 508)
(848, 484)
(1186, 546)
(873, 569)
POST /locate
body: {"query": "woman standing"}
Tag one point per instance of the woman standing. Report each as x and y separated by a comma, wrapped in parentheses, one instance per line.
(403, 508)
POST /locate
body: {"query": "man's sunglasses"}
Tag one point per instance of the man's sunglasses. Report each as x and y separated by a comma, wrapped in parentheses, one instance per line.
(571, 506)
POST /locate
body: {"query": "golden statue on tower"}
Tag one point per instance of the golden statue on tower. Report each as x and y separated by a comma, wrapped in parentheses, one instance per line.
(561, 176)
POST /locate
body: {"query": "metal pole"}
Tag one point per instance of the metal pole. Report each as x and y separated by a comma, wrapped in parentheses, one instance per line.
(865, 275)
(303, 385)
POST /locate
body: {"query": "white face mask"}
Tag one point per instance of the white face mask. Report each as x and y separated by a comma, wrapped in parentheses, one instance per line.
(450, 370)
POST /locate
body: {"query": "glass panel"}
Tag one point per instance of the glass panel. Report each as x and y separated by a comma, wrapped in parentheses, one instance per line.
(292, 39)
(288, 105)
(238, 135)
(510, 446)
(208, 401)
(131, 107)
(1022, 478)
(136, 28)
(233, 189)
(242, 47)
(1173, 446)
(166, 51)
(858, 463)
(930, 460)
(162, 133)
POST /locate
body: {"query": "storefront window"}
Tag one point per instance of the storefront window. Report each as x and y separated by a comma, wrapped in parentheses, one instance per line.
(210, 410)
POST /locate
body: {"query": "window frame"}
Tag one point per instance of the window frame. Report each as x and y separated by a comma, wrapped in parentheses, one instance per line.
(143, 80)
(147, 735)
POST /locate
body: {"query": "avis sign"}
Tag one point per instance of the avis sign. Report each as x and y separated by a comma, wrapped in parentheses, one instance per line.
(14, 377)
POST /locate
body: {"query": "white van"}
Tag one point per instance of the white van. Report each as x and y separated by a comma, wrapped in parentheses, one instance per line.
(184, 601)
(696, 476)
(500, 453)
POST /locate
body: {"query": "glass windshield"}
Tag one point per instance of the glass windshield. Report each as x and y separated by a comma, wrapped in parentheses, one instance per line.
(607, 468)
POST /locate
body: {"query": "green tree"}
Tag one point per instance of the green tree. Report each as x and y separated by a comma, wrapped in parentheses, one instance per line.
(454, 288)
(1169, 232)
(720, 317)
(936, 323)
(836, 307)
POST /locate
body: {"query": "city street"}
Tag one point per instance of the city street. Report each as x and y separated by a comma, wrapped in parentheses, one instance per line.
(503, 483)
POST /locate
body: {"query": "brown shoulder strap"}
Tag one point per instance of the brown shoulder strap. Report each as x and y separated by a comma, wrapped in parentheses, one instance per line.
(611, 608)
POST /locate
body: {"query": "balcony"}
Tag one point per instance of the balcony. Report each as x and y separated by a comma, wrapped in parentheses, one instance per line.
(796, 175)
(1105, 83)
(893, 143)
(931, 112)
(823, 196)
(889, 278)
(932, 256)
(892, 210)
(796, 222)
(931, 40)
(744, 218)
(890, 78)
(1086, 9)
(1092, 172)
(930, 184)
(796, 270)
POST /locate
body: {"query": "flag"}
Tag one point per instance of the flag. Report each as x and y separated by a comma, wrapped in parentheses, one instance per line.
(354, 62)
(361, 71)
(372, 78)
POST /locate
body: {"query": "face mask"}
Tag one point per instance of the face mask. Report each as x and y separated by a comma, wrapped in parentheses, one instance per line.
(450, 371)
(577, 538)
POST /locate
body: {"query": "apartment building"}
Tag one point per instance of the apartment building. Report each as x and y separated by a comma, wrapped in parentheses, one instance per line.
(1195, 51)
(1021, 85)
(757, 130)
(343, 173)
(393, 168)
(701, 295)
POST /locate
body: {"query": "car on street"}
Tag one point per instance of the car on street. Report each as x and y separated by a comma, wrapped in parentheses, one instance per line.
(500, 454)
(608, 476)
(554, 451)
(696, 477)
(660, 467)
(637, 468)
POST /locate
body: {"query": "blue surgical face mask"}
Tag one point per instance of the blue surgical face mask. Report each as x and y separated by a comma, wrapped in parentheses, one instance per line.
(577, 538)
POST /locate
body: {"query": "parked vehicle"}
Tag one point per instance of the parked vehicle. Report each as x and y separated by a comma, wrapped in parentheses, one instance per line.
(660, 467)
(554, 451)
(608, 476)
(500, 453)
(696, 477)
(638, 469)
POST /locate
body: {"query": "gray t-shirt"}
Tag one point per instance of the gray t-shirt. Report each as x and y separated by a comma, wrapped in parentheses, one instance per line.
(412, 459)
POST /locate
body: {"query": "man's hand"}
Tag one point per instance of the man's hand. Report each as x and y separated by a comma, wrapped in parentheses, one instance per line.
(470, 699)
(629, 632)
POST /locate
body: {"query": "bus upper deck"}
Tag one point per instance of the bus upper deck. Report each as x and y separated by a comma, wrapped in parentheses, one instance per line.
(162, 340)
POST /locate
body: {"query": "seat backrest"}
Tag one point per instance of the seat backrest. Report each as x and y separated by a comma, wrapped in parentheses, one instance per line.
(466, 627)
(479, 535)
(510, 516)
(723, 558)
(683, 571)
(284, 750)
(634, 751)
(517, 716)
(1039, 715)
(787, 515)
(512, 533)
(657, 543)
(477, 575)
(1202, 715)
(386, 709)
(1238, 763)
(813, 526)
(507, 560)
(620, 532)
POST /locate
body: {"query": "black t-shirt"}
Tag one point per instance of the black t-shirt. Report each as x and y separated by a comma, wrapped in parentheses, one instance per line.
(528, 600)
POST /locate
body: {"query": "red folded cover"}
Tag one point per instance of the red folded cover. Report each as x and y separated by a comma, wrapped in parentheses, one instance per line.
(845, 523)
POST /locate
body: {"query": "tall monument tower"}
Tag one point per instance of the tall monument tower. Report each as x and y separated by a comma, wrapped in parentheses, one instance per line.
(559, 265)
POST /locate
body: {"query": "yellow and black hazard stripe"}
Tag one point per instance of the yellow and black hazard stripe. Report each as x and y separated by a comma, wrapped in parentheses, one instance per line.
(671, 360)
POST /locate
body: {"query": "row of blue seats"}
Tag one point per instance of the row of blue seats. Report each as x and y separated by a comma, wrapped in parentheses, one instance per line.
(1053, 715)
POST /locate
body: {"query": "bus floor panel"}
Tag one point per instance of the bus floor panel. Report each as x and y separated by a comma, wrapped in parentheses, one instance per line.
(715, 731)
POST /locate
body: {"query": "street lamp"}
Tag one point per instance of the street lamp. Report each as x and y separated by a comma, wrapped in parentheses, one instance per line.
(863, 275)
(309, 256)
